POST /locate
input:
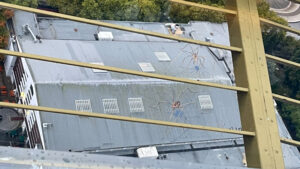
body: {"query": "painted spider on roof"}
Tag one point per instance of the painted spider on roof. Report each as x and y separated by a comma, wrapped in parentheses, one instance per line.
(173, 108)
(192, 56)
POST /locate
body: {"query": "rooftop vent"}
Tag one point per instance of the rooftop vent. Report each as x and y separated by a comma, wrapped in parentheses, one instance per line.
(110, 106)
(146, 67)
(98, 70)
(47, 125)
(108, 36)
(83, 105)
(208, 39)
(162, 56)
(174, 29)
(136, 105)
(205, 102)
(150, 152)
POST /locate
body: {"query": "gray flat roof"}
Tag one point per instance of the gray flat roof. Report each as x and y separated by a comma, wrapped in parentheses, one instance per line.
(60, 86)
(157, 101)
(126, 55)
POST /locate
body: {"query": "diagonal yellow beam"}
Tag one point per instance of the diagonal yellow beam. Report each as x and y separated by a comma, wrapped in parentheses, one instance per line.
(283, 61)
(286, 99)
(193, 4)
(290, 142)
(124, 118)
(119, 70)
(286, 28)
(118, 27)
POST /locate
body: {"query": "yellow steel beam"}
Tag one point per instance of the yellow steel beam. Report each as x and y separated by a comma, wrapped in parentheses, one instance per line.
(271, 23)
(119, 70)
(193, 4)
(290, 142)
(124, 118)
(286, 99)
(283, 61)
(118, 27)
(256, 107)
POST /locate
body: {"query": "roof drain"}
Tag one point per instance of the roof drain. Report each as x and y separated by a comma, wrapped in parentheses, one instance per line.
(27, 30)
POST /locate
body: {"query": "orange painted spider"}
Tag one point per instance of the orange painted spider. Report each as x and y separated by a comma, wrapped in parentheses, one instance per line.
(193, 57)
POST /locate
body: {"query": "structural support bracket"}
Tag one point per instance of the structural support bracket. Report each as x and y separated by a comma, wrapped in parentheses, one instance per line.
(256, 106)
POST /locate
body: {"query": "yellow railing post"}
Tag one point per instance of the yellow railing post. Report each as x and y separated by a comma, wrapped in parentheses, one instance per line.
(256, 107)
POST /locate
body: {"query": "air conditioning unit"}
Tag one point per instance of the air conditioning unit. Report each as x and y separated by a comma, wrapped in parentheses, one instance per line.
(10, 120)
(147, 152)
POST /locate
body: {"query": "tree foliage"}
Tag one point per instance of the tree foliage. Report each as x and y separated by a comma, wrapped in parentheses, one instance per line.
(90, 9)
(4, 36)
(30, 3)
(140, 10)
(265, 12)
(184, 14)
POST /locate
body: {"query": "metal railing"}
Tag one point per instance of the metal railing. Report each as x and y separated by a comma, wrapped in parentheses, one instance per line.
(119, 70)
(283, 61)
(247, 90)
(124, 118)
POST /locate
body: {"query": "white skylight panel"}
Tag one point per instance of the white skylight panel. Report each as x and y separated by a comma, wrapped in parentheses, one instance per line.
(110, 106)
(136, 105)
(146, 67)
(83, 105)
(98, 70)
(205, 102)
(162, 56)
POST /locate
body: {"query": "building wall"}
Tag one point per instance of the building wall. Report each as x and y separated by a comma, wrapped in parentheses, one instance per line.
(26, 94)
(17, 69)
(10, 62)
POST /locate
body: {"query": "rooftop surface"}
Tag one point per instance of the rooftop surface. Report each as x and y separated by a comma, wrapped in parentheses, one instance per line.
(67, 87)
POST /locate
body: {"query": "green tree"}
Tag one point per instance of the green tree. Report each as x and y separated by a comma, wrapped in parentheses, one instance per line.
(145, 10)
(71, 7)
(112, 9)
(90, 9)
(183, 14)
(31, 3)
(265, 12)
(139, 10)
